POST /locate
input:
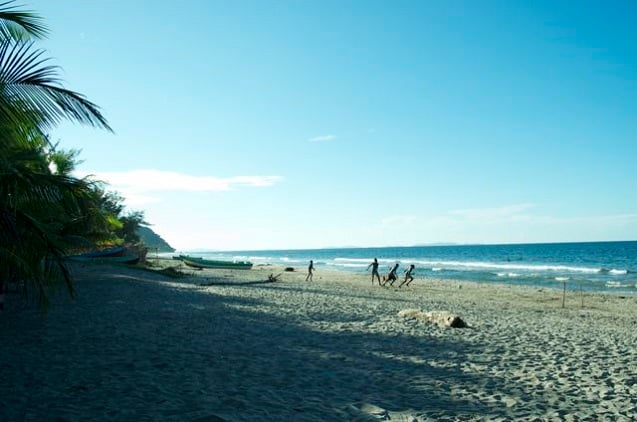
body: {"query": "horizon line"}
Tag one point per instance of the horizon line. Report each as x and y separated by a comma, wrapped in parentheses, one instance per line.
(422, 245)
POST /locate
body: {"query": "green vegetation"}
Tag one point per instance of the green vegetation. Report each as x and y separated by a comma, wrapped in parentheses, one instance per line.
(45, 212)
(153, 241)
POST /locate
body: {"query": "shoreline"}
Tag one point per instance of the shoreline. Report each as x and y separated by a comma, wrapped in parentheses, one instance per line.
(572, 289)
(593, 267)
(137, 344)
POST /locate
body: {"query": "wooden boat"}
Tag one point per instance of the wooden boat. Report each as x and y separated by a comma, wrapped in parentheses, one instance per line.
(105, 253)
(196, 262)
(126, 259)
(188, 257)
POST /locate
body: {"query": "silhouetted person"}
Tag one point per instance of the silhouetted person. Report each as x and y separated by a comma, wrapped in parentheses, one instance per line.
(408, 275)
(392, 275)
(310, 270)
(374, 266)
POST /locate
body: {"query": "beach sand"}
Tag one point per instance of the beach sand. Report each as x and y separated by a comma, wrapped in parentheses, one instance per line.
(138, 346)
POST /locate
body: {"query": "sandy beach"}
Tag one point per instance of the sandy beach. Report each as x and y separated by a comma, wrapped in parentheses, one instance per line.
(139, 346)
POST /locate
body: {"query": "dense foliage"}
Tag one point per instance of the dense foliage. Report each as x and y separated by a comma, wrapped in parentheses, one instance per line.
(45, 212)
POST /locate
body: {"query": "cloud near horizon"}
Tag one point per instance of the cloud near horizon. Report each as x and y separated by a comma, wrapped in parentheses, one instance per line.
(520, 223)
(515, 212)
(398, 220)
(497, 214)
(522, 213)
(135, 185)
(323, 138)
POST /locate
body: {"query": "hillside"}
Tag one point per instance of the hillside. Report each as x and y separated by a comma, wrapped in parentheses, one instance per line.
(153, 241)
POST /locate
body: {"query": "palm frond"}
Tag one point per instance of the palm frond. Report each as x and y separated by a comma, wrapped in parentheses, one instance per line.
(30, 89)
(20, 24)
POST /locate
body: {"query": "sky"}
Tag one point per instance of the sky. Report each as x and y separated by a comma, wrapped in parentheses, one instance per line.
(248, 125)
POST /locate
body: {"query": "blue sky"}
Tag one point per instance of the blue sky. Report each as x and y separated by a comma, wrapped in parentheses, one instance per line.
(308, 124)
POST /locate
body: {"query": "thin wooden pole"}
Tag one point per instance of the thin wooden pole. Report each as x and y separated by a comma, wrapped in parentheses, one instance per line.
(564, 294)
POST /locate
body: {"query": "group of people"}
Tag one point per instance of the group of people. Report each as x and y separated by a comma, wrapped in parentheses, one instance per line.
(390, 278)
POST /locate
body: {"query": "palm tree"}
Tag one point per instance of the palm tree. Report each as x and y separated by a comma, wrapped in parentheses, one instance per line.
(38, 206)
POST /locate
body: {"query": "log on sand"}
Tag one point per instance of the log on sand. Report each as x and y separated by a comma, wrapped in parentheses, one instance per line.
(442, 318)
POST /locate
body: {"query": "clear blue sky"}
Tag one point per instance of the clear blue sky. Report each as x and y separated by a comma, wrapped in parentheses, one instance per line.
(301, 124)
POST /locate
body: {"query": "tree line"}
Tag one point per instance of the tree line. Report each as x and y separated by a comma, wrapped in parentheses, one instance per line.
(45, 212)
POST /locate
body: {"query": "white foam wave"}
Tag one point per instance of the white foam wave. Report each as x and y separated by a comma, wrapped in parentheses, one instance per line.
(243, 258)
(613, 284)
(480, 265)
(290, 260)
(439, 265)
(506, 274)
(562, 278)
(349, 265)
(368, 260)
(501, 269)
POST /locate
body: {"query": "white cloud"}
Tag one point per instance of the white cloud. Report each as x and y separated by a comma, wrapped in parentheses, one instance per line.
(589, 222)
(158, 180)
(136, 185)
(398, 220)
(134, 200)
(520, 223)
(521, 213)
(489, 214)
(323, 138)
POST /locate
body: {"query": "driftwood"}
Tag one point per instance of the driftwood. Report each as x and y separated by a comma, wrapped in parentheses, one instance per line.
(443, 318)
(272, 278)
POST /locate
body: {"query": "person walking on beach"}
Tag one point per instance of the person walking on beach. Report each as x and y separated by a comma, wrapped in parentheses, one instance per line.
(408, 275)
(374, 266)
(310, 270)
(392, 275)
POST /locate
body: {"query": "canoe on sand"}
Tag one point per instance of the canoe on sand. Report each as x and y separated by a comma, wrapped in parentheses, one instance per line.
(201, 263)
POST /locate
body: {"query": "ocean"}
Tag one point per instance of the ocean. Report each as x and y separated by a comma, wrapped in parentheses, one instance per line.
(593, 266)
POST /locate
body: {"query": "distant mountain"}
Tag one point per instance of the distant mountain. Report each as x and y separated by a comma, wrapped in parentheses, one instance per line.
(439, 244)
(153, 241)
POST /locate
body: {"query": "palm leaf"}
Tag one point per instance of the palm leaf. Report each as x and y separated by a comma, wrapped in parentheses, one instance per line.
(31, 91)
(20, 24)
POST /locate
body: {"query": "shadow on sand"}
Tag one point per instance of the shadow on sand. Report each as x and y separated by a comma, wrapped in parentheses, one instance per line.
(130, 347)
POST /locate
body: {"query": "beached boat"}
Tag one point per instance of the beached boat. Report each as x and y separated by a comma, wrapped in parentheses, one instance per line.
(126, 259)
(105, 253)
(196, 262)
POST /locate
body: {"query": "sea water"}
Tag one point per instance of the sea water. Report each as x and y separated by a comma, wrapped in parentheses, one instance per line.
(594, 266)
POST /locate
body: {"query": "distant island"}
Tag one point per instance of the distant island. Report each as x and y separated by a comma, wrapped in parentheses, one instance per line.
(438, 244)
